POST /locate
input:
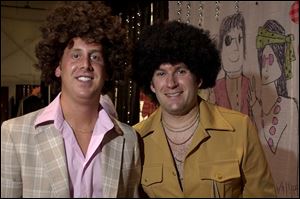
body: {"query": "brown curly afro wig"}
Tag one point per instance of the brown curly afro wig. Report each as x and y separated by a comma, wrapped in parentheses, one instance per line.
(92, 21)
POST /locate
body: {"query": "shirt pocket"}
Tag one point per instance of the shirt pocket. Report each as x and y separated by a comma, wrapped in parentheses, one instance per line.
(221, 178)
(152, 174)
(152, 177)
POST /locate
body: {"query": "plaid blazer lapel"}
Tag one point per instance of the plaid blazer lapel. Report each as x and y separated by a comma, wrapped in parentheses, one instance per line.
(111, 160)
(52, 152)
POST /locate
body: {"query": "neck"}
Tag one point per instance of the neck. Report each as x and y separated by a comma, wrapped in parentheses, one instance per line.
(180, 123)
(234, 74)
(80, 117)
(268, 98)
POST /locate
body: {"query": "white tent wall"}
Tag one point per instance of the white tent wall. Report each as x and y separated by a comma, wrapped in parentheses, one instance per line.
(20, 22)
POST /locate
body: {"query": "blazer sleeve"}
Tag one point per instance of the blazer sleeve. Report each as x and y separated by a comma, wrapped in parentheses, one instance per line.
(11, 181)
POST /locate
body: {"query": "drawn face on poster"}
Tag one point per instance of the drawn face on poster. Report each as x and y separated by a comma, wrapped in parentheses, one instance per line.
(270, 71)
(232, 52)
(232, 43)
(275, 55)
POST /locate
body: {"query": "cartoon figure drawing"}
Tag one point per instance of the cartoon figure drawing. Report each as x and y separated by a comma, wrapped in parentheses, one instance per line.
(232, 90)
(276, 114)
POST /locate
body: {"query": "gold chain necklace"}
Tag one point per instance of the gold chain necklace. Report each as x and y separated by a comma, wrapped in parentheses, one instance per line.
(181, 142)
(183, 129)
(189, 137)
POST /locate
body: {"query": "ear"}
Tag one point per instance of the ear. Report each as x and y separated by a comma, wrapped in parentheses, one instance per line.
(152, 87)
(58, 71)
(200, 83)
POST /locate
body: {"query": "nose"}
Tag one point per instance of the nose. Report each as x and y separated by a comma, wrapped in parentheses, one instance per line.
(265, 66)
(86, 64)
(235, 43)
(172, 81)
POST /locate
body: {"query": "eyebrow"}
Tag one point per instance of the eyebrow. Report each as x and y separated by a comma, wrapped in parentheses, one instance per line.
(89, 51)
(181, 65)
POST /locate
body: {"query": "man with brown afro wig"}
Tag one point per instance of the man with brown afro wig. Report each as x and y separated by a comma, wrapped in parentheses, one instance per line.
(73, 147)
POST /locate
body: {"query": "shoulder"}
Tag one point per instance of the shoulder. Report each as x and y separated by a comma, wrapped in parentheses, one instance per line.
(214, 108)
(213, 115)
(27, 119)
(230, 112)
(19, 126)
(125, 127)
(150, 124)
(127, 130)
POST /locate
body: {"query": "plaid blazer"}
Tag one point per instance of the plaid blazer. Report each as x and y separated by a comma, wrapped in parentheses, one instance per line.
(33, 160)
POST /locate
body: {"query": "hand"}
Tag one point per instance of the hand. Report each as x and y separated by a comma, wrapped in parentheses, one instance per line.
(252, 98)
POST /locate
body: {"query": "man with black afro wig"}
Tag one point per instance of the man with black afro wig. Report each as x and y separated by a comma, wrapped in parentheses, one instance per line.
(192, 148)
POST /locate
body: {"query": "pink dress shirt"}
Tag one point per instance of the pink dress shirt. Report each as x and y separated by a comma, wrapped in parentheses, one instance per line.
(84, 172)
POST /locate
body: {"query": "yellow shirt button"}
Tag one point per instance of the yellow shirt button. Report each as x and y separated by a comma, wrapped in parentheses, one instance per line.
(219, 176)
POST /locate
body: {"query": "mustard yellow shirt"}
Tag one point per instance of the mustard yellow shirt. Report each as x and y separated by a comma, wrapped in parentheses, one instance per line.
(225, 158)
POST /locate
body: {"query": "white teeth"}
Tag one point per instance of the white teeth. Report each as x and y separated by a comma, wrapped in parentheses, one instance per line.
(84, 79)
(173, 94)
